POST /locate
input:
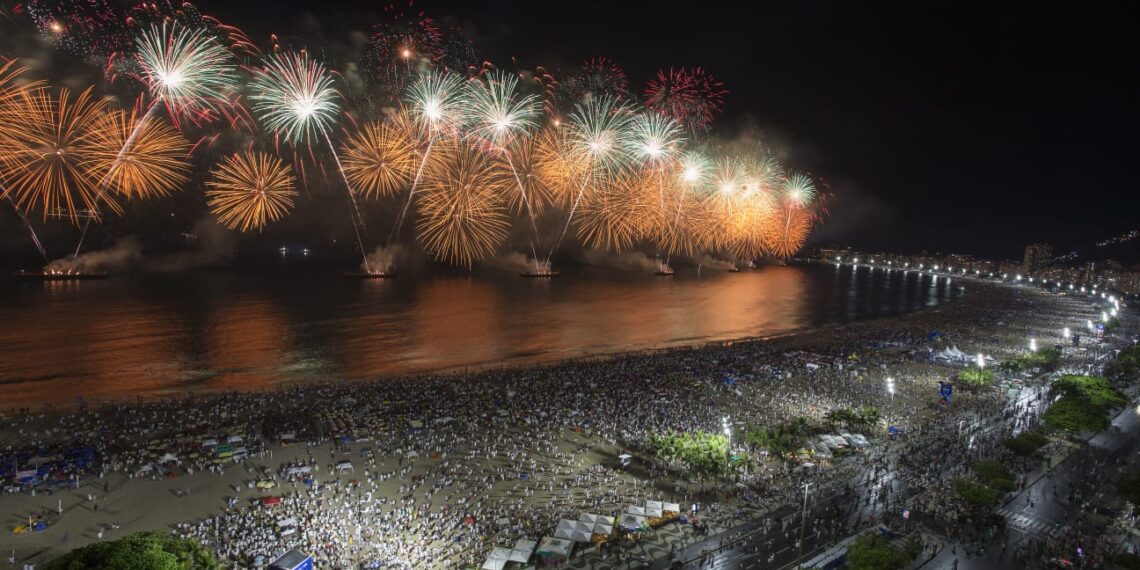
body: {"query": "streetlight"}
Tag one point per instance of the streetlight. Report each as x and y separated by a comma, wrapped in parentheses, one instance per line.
(1066, 333)
(803, 521)
(981, 361)
(1032, 345)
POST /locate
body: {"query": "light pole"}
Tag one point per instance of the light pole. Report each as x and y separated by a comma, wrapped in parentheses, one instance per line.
(803, 522)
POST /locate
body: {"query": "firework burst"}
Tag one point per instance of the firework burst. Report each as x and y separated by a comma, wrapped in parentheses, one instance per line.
(378, 160)
(187, 70)
(436, 101)
(47, 142)
(136, 158)
(495, 110)
(462, 218)
(404, 45)
(293, 96)
(655, 139)
(692, 98)
(249, 190)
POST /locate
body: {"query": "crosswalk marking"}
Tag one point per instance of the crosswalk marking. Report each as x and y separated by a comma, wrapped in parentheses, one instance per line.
(1028, 524)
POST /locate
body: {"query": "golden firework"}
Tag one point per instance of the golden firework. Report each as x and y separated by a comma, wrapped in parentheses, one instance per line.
(556, 166)
(523, 156)
(462, 217)
(613, 216)
(378, 160)
(136, 157)
(47, 141)
(793, 225)
(251, 189)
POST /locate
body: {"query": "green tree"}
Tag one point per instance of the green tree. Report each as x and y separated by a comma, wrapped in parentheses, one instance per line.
(976, 377)
(1026, 443)
(1127, 561)
(1045, 359)
(873, 552)
(1084, 404)
(976, 494)
(703, 452)
(779, 440)
(139, 551)
(994, 475)
(1126, 367)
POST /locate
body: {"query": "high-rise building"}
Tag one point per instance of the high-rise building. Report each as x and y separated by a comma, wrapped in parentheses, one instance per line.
(1037, 256)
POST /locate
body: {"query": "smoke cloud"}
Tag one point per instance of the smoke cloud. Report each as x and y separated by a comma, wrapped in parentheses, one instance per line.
(712, 262)
(633, 261)
(384, 259)
(124, 252)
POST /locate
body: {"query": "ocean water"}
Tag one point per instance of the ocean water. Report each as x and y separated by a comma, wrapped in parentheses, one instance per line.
(251, 327)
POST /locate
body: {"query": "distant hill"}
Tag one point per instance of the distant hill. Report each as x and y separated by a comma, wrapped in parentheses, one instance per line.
(1123, 249)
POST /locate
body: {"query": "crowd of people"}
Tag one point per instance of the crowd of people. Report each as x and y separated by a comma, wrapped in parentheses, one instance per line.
(435, 471)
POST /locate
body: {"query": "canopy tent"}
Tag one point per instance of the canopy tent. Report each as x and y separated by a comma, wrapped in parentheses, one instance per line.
(633, 522)
(576, 531)
(522, 551)
(654, 508)
(497, 559)
(672, 508)
(553, 549)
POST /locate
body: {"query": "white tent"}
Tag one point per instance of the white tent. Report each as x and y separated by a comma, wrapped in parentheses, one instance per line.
(552, 547)
(565, 529)
(169, 458)
(343, 466)
(522, 551)
(636, 510)
(632, 522)
(497, 559)
(653, 509)
(672, 508)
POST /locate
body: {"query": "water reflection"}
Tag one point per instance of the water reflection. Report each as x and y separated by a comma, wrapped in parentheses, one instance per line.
(247, 330)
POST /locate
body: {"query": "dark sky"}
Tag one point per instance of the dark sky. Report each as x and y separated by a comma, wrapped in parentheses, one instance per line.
(939, 126)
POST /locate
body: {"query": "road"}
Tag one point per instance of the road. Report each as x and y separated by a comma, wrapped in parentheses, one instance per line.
(1037, 511)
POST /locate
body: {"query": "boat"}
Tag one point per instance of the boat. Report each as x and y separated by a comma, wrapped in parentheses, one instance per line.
(370, 274)
(58, 275)
(541, 269)
(734, 269)
(664, 271)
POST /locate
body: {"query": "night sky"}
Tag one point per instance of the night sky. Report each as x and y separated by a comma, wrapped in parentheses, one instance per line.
(940, 127)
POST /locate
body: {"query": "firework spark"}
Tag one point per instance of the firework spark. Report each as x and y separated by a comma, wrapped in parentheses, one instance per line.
(378, 160)
(293, 96)
(187, 70)
(251, 189)
(152, 163)
(462, 218)
(48, 141)
(692, 98)
(496, 111)
(436, 101)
